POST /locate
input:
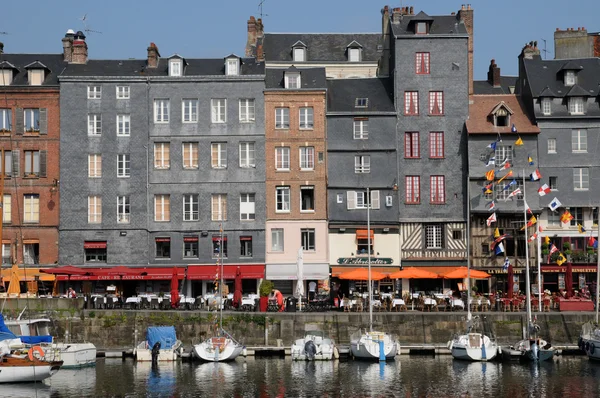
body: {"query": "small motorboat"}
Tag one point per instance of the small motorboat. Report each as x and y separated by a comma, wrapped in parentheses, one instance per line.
(219, 348)
(161, 344)
(314, 346)
(25, 368)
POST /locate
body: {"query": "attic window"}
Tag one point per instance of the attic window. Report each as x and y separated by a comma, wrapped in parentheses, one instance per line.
(175, 67)
(299, 54)
(35, 76)
(421, 28)
(6, 77)
(292, 80)
(502, 118)
(361, 103)
(232, 67)
(569, 77)
(354, 55)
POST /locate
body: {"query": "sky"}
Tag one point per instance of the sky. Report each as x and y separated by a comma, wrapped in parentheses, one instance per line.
(215, 29)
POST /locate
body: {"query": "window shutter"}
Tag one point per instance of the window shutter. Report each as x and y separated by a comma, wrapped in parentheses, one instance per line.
(15, 160)
(19, 123)
(43, 121)
(43, 163)
(350, 200)
(374, 199)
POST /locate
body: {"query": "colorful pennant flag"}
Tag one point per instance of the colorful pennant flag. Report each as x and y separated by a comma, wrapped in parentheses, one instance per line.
(499, 249)
(530, 160)
(547, 240)
(553, 249)
(491, 219)
(492, 146)
(580, 228)
(487, 188)
(496, 233)
(513, 129)
(532, 237)
(566, 217)
(506, 264)
(555, 204)
(528, 209)
(544, 189)
(491, 161)
(593, 242)
(530, 223)
(560, 259)
(513, 193)
(499, 239)
(536, 175)
(540, 228)
(519, 142)
(505, 166)
(509, 174)
(490, 175)
(491, 206)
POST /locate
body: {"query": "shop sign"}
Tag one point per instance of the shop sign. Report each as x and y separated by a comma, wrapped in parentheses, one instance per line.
(364, 261)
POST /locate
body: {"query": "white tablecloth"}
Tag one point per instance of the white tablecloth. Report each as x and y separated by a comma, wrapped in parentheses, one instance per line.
(248, 301)
(457, 303)
(429, 301)
(479, 301)
(396, 302)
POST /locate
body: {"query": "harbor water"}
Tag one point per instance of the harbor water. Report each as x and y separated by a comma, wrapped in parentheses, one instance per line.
(408, 376)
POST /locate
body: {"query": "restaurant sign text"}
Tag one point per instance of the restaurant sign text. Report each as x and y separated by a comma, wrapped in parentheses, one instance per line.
(364, 261)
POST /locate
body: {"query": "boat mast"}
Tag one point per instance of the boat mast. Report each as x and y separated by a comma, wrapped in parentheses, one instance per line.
(369, 258)
(468, 251)
(221, 303)
(527, 287)
(597, 266)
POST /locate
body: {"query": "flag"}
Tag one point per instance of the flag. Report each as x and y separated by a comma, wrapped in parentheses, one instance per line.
(490, 175)
(560, 259)
(506, 264)
(497, 233)
(547, 240)
(499, 249)
(513, 182)
(540, 228)
(505, 166)
(492, 146)
(499, 239)
(592, 242)
(536, 175)
(555, 204)
(528, 209)
(513, 129)
(530, 160)
(530, 223)
(488, 191)
(488, 187)
(513, 193)
(491, 219)
(581, 229)
(509, 174)
(505, 161)
(491, 161)
(553, 249)
(519, 142)
(566, 217)
(491, 206)
(532, 237)
(544, 189)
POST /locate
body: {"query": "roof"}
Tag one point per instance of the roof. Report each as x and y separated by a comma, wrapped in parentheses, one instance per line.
(137, 67)
(485, 87)
(548, 75)
(342, 95)
(480, 121)
(53, 63)
(439, 25)
(320, 47)
(310, 78)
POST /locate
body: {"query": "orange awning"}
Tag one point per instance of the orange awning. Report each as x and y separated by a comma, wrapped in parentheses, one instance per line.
(27, 274)
(364, 234)
(337, 271)
(462, 272)
(362, 274)
(414, 273)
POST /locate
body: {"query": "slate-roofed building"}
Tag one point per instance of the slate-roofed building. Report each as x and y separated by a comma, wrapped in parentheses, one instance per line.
(563, 96)
(29, 157)
(171, 170)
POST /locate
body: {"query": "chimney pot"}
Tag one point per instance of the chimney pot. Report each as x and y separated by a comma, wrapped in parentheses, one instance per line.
(412, 11)
(153, 56)
(1, 47)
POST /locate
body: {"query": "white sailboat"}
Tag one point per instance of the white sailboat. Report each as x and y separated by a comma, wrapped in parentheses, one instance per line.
(220, 347)
(473, 345)
(372, 345)
(589, 340)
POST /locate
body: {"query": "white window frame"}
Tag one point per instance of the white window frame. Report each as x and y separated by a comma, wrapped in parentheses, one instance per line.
(503, 153)
(7, 209)
(247, 155)
(308, 239)
(175, 67)
(282, 118)
(306, 118)
(551, 145)
(189, 110)
(123, 209)
(362, 164)
(277, 239)
(307, 157)
(189, 148)
(546, 105)
(162, 108)
(163, 148)
(218, 110)
(356, 200)
(282, 158)
(123, 125)
(36, 77)
(361, 129)
(579, 141)
(354, 55)
(123, 165)
(218, 210)
(247, 110)
(310, 188)
(569, 77)
(220, 150)
(6, 119)
(164, 201)
(32, 163)
(576, 105)
(247, 206)
(123, 92)
(191, 207)
(31, 208)
(292, 80)
(94, 92)
(299, 54)
(282, 199)
(94, 124)
(94, 209)
(581, 179)
(232, 66)
(95, 165)
(434, 239)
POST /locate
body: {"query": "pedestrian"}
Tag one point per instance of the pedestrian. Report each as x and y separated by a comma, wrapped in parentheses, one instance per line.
(312, 287)
(71, 293)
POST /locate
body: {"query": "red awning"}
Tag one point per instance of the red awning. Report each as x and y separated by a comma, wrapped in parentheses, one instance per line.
(209, 272)
(158, 273)
(163, 239)
(364, 234)
(190, 239)
(245, 238)
(94, 245)
(218, 238)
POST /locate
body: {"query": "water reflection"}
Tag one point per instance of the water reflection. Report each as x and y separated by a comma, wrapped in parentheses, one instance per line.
(27, 390)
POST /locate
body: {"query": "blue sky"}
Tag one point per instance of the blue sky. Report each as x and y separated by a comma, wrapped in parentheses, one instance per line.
(209, 28)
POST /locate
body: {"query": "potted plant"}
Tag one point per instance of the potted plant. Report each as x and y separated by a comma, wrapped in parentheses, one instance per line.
(567, 248)
(545, 249)
(264, 290)
(474, 291)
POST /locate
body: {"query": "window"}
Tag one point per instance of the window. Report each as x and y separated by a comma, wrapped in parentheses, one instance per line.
(94, 209)
(485, 249)
(569, 77)
(340, 198)
(436, 102)
(502, 117)
(320, 157)
(361, 102)
(307, 198)
(282, 158)
(361, 129)
(413, 189)
(433, 236)
(579, 140)
(162, 207)
(162, 155)
(422, 63)
(307, 158)
(360, 200)
(282, 199)
(123, 125)
(546, 106)
(123, 165)
(94, 92)
(245, 246)
(232, 66)
(219, 245)
(189, 109)
(123, 209)
(292, 80)
(411, 102)
(32, 120)
(36, 77)
(163, 247)
(218, 155)
(123, 92)
(94, 124)
(411, 145)
(362, 245)
(553, 183)
(362, 164)
(581, 178)
(438, 189)
(504, 189)
(7, 169)
(95, 252)
(277, 239)
(190, 207)
(577, 213)
(218, 110)
(6, 76)
(299, 54)
(307, 236)
(161, 110)
(190, 247)
(457, 234)
(551, 145)
(5, 120)
(354, 55)
(282, 118)
(421, 28)
(7, 209)
(32, 163)
(576, 106)
(436, 144)
(31, 253)
(175, 67)
(247, 206)
(6, 251)
(503, 154)
(219, 207)
(554, 218)
(190, 155)
(306, 118)
(247, 110)
(94, 166)
(247, 155)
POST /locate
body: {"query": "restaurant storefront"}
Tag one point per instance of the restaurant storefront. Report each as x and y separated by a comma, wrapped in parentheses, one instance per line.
(285, 276)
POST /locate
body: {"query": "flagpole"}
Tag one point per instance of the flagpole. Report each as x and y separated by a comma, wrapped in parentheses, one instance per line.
(597, 267)
(538, 241)
(527, 287)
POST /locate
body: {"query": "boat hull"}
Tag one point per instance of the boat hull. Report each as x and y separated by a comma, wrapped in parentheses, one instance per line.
(473, 347)
(324, 348)
(21, 370)
(217, 350)
(591, 347)
(74, 356)
(368, 347)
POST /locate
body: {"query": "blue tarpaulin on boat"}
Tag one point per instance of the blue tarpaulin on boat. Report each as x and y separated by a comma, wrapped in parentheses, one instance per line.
(165, 334)
(5, 333)
(36, 339)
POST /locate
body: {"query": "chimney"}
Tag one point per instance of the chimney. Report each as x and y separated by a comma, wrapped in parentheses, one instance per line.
(67, 43)
(596, 45)
(465, 14)
(530, 50)
(396, 15)
(384, 60)
(494, 74)
(572, 43)
(153, 56)
(79, 49)
(251, 40)
(1, 47)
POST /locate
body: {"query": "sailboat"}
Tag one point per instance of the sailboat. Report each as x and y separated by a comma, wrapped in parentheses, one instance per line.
(532, 348)
(221, 346)
(589, 340)
(473, 345)
(372, 345)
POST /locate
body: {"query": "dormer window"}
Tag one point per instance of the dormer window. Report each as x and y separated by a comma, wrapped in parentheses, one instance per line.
(175, 67)
(546, 106)
(361, 102)
(35, 77)
(421, 28)
(232, 66)
(6, 77)
(299, 52)
(576, 106)
(501, 115)
(292, 80)
(569, 77)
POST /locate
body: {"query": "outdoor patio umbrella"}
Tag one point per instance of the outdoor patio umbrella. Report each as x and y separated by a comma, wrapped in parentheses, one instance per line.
(569, 280)
(66, 270)
(510, 281)
(362, 274)
(300, 275)
(174, 289)
(414, 273)
(461, 273)
(237, 294)
(14, 286)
